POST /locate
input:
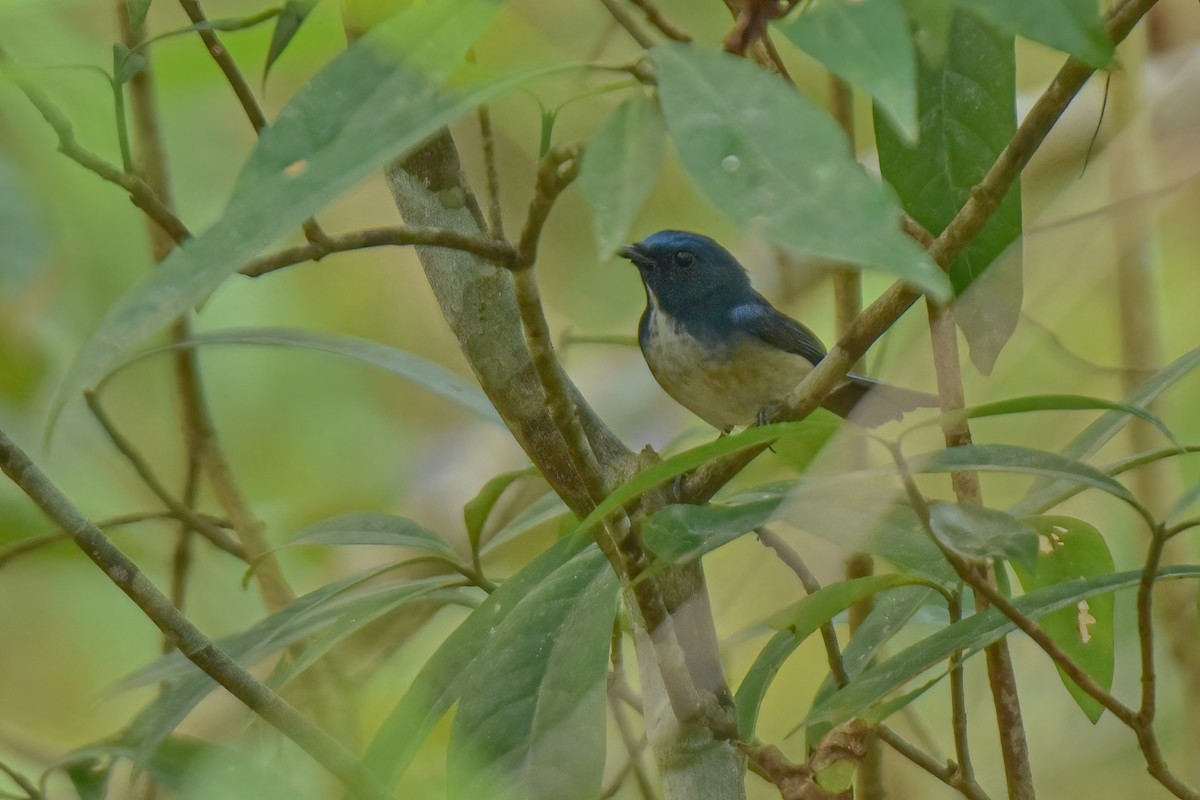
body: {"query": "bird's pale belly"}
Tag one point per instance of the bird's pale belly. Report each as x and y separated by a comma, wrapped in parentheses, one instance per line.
(725, 386)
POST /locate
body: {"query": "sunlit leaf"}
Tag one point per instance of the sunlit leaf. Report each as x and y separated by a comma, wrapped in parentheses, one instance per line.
(972, 635)
(367, 527)
(286, 25)
(1045, 495)
(866, 43)
(984, 534)
(530, 719)
(378, 99)
(780, 166)
(796, 624)
(967, 105)
(1074, 549)
(444, 676)
(1072, 26)
(426, 374)
(479, 508)
(620, 165)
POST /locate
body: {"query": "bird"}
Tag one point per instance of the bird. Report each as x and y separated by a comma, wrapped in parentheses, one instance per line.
(721, 350)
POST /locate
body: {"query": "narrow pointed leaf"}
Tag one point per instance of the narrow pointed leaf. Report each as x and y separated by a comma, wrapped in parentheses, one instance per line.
(477, 511)
(137, 12)
(286, 25)
(972, 634)
(546, 508)
(1072, 26)
(780, 166)
(865, 43)
(1074, 549)
(368, 527)
(620, 165)
(378, 99)
(968, 114)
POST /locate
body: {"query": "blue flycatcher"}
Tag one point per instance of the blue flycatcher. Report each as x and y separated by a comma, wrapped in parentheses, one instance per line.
(723, 352)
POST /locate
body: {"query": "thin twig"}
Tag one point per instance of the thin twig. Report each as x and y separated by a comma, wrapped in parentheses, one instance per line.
(487, 137)
(634, 746)
(194, 645)
(626, 21)
(21, 781)
(656, 18)
(958, 698)
(500, 252)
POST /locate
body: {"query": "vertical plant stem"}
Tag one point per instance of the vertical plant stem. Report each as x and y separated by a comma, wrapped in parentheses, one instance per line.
(1014, 748)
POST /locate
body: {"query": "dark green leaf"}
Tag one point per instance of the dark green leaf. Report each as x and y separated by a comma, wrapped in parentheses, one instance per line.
(137, 12)
(684, 532)
(425, 374)
(865, 43)
(378, 99)
(1072, 26)
(22, 231)
(1047, 494)
(619, 168)
(477, 511)
(967, 103)
(984, 534)
(530, 719)
(971, 634)
(89, 777)
(797, 624)
(780, 166)
(286, 25)
(442, 680)
(1074, 549)
(368, 527)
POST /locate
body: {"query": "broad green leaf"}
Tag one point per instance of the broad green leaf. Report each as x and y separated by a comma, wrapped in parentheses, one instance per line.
(1074, 549)
(291, 17)
(684, 532)
(426, 374)
(972, 635)
(302, 619)
(1023, 460)
(1072, 26)
(801, 448)
(196, 770)
(1045, 495)
(368, 527)
(796, 624)
(378, 99)
(23, 232)
(968, 113)
(442, 680)
(984, 534)
(620, 165)
(780, 166)
(530, 719)
(137, 10)
(479, 508)
(866, 43)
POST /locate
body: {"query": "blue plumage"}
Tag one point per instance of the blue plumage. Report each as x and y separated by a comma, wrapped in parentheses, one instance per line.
(723, 351)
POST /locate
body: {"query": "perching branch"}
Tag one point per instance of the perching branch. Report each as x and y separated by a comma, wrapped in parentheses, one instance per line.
(193, 644)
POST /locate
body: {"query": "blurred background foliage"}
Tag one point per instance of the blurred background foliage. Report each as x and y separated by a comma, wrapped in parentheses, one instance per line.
(312, 436)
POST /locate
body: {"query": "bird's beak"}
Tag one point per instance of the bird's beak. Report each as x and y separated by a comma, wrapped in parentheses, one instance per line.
(636, 254)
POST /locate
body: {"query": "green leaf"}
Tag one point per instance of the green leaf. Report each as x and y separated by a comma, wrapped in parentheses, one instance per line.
(685, 532)
(368, 527)
(530, 719)
(23, 232)
(286, 25)
(1074, 549)
(126, 64)
(89, 777)
(137, 10)
(477, 511)
(967, 102)
(377, 100)
(296, 622)
(195, 770)
(620, 165)
(865, 43)
(1022, 460)
(780, 166)
(1047, 494)
(426, 374)
(1072, 26)
(442, 680)
(971, 634)
(223, 24)
(546, 508)
(984, 534)
(797, 624)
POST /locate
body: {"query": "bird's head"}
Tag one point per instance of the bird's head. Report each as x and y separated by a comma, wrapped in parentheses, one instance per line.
(682, 269)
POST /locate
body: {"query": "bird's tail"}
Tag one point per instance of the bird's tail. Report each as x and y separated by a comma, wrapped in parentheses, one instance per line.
(872, 403)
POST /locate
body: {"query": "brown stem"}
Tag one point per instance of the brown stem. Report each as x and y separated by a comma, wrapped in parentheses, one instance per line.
(626, 21)
(194, 645)
(656, 18)
(488, 138)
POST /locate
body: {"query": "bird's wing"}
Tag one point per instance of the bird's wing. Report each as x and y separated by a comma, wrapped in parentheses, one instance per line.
(772, 326)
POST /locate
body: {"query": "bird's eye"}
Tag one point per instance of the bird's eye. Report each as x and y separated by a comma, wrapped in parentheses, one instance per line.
(683, 258)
